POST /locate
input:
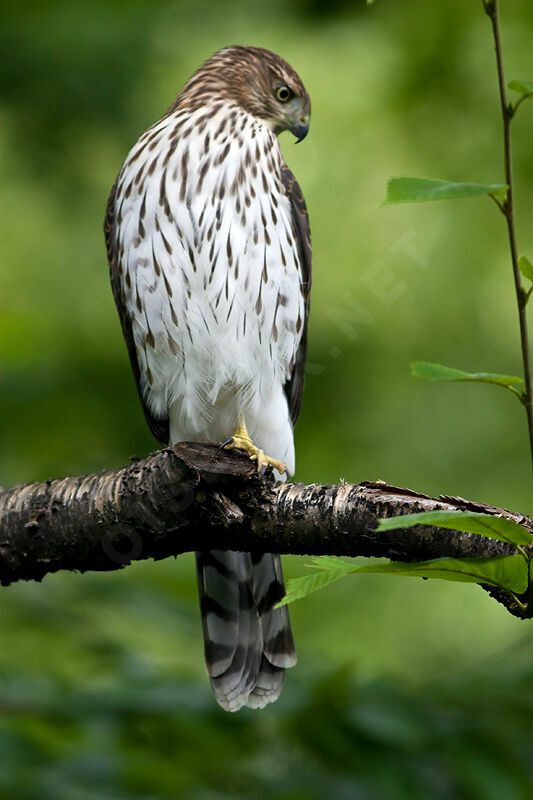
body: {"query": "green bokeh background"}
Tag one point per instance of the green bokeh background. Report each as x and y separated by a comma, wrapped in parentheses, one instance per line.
(404, 688)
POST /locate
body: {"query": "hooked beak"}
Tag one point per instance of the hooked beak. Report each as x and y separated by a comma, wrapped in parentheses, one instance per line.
(300, 130)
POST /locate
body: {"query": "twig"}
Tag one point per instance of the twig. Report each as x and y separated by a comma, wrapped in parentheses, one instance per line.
(507, 208)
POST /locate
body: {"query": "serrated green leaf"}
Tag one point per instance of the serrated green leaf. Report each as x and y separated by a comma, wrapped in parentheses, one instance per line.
(524, 88)
(438, 372)
(500, 528)
(509, 572)
(526, 267)
(421, 190)
(331, 563)
(298, 588)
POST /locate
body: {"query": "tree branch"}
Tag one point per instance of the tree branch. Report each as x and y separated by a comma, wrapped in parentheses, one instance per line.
(196, 497)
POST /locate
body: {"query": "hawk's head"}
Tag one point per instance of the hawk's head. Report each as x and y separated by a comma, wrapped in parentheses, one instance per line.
(260, 82)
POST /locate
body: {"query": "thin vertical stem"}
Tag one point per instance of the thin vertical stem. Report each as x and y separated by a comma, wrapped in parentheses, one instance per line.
(492, 10)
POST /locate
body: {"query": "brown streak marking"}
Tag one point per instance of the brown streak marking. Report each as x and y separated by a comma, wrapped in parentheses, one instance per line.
(172, 344)
(222, 125)
(228, 248)
(223, 154)
(184, 170)
(162, 188)
(168, 246)
(142, 212)
(213, 265)
(169, 153)
(230, 308)
(168, 287)
(191, 257)
(157, 268)
(202, 174)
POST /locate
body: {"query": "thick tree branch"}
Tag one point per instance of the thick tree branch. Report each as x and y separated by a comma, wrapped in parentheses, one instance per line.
(196, 497)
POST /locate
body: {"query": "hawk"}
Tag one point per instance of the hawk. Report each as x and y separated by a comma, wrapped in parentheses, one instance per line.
(209, 251)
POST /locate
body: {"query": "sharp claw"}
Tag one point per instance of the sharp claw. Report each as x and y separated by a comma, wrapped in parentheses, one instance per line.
(263, 462)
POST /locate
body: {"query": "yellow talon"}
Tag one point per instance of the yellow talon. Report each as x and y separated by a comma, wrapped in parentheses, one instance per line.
(241, 441)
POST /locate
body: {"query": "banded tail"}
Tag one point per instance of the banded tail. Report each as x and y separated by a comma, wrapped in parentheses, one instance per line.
(248, 643)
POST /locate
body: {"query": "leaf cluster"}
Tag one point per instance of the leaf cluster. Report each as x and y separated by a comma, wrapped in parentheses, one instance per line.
(510, 573)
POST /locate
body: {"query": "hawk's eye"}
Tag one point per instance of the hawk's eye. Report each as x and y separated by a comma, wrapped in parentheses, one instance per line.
(283, 93)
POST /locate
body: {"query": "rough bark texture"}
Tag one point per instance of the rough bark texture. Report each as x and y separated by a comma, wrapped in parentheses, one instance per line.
(196, 497)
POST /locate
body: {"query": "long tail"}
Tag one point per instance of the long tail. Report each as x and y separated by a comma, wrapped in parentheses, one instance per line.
(248, 643)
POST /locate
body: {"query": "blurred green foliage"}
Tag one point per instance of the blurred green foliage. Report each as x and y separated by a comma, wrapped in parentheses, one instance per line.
(404, 689)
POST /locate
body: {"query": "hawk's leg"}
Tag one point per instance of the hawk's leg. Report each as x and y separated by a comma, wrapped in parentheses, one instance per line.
(241, 441)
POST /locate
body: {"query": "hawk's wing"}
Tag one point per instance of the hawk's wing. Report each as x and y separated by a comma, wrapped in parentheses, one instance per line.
(300, 225)
(158, 425)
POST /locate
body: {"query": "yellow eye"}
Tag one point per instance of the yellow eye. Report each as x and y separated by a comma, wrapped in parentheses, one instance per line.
(283, 93)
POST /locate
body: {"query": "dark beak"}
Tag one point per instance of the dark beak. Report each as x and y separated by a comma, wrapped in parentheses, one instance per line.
(300, 130)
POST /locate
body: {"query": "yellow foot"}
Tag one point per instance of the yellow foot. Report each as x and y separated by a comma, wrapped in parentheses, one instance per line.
(241, 441)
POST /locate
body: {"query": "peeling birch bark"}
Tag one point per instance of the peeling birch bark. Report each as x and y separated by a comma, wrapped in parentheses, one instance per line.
(196, 497)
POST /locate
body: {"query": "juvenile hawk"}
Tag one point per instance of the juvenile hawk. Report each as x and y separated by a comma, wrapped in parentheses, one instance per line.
(210, 257)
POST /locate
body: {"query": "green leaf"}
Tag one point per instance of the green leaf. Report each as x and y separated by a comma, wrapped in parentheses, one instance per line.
(330, 570)
(438, 372)
(509, 572)
(420, 190)
(331, 562)
(500, 528)
(526, 267)
(524, 88)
